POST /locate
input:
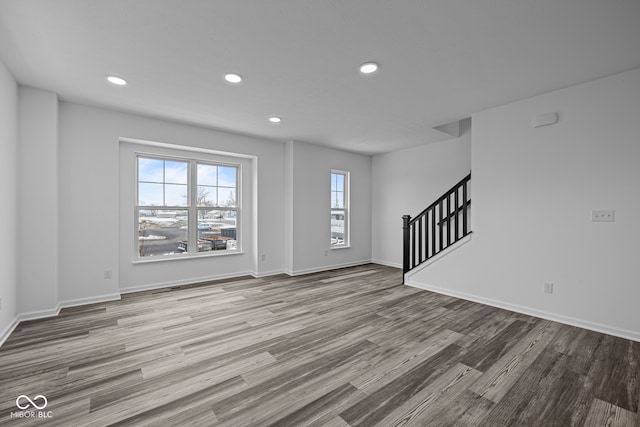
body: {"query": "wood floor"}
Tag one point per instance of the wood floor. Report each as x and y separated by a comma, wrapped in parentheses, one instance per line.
(349, 347)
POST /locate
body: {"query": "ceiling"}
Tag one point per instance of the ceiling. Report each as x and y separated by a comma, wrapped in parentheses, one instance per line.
(440, 60)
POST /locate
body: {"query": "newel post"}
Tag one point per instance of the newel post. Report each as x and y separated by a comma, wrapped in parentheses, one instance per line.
(406, 244)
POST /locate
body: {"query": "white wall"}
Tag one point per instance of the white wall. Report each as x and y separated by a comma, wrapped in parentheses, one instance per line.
(38, 202)
(89, 195)
(81, 145)
(405, 182)
(311, 200)
(533, 191)
(9, 192)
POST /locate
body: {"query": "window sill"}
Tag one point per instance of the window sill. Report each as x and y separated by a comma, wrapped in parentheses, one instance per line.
(341, 247)
(166, 258)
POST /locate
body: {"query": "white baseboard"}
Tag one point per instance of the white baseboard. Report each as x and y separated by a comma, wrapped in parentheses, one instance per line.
(190, 281)
(160, 285)
(41, 314)
(326, 268)
(8, 330)
(89, 300)
(387, 263)
(580, 323)
(33, 315)
(266, 273)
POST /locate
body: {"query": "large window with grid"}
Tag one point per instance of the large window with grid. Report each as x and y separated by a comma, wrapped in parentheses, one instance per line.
(339, 209)
(186, 207)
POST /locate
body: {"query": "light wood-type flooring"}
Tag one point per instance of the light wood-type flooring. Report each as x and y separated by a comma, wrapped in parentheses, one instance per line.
(348, 347)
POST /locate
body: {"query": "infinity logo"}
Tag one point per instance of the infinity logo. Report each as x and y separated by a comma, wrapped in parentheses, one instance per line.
(31, 402)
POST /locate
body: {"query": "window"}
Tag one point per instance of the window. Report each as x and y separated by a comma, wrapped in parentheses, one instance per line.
(339, 208)
(186, 207)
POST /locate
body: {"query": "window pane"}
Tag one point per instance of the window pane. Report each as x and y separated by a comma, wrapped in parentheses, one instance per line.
(333, 182)
(218, 218)
(337, 227)
(161, 232)
(175, 195)
(150, 170)
(227, 176)
(150, 194)
(176, 172)
(217, 228)
(226, 197)
(337, 199)
(339, 182)
(207, 196)
(207, 174)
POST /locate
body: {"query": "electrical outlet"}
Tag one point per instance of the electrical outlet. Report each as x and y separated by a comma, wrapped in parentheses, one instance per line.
(603, 216)
(548, 287)
(263, 257)
(107, 273)
(326, 253)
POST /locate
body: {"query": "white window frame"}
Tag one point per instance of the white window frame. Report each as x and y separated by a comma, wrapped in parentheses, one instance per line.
(191, 207)
(346, 209)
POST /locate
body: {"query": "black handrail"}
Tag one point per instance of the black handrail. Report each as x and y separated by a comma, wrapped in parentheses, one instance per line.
(444, 196)
(437, 227)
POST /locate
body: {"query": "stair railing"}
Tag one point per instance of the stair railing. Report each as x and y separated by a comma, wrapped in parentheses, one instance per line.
(439, 226)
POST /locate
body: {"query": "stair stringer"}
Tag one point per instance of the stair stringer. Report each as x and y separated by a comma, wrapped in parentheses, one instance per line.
(445, 252)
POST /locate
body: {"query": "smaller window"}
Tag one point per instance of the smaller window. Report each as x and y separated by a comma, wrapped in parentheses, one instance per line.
(339, 208)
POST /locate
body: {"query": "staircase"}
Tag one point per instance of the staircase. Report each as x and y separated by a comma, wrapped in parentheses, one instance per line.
(443, 223)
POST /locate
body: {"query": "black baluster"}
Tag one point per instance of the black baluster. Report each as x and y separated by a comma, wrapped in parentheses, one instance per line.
(406, 242)
(456, 211)
(420, 239)
(434, 248)
(441, 224)
(464, 208)
(413, 245)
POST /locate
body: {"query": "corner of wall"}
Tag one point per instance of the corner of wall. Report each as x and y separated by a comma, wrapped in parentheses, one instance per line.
(9, 214)
(38, 175)
(288, 210)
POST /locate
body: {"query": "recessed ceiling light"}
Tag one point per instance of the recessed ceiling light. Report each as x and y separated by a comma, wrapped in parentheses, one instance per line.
(368, 67)
(116, 80)
(233, 77)
(275, 119)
